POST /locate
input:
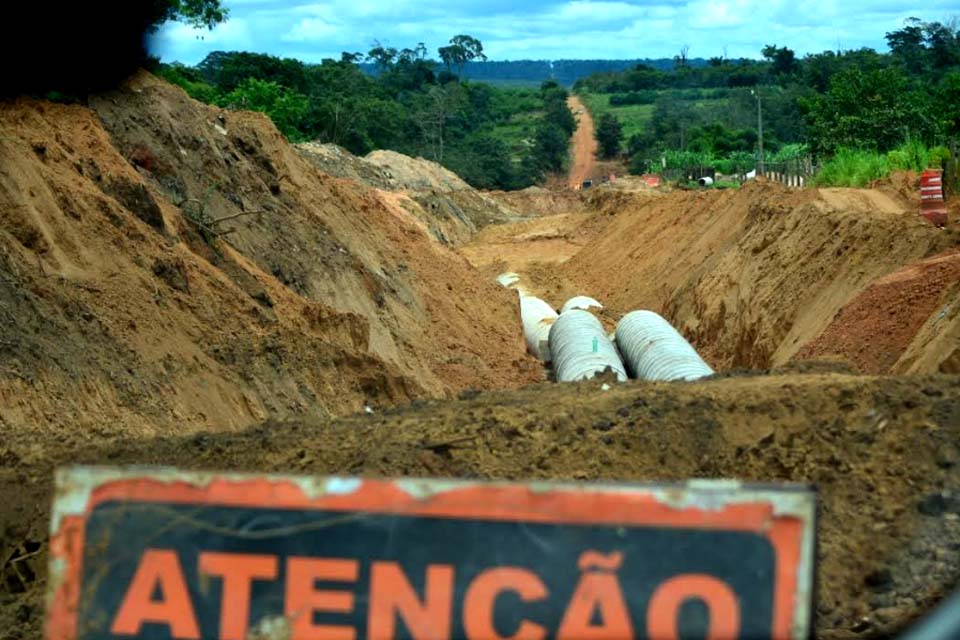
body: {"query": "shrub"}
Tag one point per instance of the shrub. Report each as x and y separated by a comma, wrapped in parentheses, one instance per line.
(852, 168)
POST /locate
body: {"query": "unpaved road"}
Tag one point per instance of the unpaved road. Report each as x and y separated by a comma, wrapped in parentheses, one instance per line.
(584, 148)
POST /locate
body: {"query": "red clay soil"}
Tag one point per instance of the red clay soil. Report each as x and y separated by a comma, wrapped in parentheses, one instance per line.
(876, 328)
(584, 145)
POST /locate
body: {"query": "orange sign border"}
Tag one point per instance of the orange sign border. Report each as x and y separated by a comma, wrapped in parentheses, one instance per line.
(626, 505)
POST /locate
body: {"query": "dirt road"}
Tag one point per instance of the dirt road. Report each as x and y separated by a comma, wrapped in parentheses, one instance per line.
(584, 149)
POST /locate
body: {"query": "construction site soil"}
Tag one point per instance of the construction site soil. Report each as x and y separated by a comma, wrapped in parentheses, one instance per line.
(180, 286)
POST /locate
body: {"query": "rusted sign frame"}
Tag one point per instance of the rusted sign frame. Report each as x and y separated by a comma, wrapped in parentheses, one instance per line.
(784, 514)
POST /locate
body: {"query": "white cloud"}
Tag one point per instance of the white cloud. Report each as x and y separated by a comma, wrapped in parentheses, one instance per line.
(310, 29)
(554, 29)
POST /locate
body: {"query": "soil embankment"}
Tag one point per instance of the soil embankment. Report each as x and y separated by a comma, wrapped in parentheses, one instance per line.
(750, 276)
(127, 308)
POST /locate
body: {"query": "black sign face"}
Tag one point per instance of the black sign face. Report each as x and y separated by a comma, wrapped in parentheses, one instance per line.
(147, 556)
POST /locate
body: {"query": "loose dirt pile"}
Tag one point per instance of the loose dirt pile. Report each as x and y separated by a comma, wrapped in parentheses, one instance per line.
(877, 328)
(338, 162)
(882, 452)
(446, 206)
(123, 313)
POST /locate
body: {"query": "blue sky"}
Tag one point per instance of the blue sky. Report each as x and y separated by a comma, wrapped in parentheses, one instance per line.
(547, 29)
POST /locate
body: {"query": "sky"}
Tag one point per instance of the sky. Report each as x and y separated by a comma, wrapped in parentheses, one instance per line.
(547, 29)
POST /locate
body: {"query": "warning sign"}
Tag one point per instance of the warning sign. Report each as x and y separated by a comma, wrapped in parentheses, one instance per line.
(168, 554)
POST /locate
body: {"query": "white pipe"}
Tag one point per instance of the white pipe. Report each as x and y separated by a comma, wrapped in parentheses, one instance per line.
(537, 317)
(580, 302)
(508, 279)
(581, 349)
(511, 280)
(705, 181)
(654, 350)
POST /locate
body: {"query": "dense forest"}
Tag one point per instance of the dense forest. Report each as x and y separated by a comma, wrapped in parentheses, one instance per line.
(899, 109)
(495, 138)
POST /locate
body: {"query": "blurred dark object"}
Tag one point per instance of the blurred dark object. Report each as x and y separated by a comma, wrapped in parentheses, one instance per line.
(80, 47)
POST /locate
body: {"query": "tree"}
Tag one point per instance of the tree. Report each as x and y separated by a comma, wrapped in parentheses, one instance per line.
(381, 56)
(550, 147)
(286, 108)
(871, 110)
(949, 98)
(921, 46)
(196, 13)
(783, 60)
(435, 109)
(609, 135)
(461, 50)
(907, 44)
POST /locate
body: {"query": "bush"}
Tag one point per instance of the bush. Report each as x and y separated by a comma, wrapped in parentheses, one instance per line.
(609, 133)
(633, 97)
(852, 168)
(913, 155)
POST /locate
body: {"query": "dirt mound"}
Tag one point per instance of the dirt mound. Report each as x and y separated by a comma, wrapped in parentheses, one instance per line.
(441, 193)
(446, 206)
(876, 329)
(537, 201)
(902, 185)
(749, 275)
(125, 310)
(337, 161)
(882, 452)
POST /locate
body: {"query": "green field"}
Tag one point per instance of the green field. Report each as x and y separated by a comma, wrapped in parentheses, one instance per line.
(635, 118)
(519, 132)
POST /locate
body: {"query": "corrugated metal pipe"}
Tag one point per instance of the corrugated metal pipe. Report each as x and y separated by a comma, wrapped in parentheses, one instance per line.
(581, 348)
(537, 317)
(654, 350)
(580, 302)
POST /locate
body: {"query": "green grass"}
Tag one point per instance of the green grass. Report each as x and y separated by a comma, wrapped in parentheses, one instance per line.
(518, 133)
(858, 168)
(635, 118)
(852, 168)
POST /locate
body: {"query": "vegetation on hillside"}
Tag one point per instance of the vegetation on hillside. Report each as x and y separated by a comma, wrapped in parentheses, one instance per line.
(494, 138)
(851, 106)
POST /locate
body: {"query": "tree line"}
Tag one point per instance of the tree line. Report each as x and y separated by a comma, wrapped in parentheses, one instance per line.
(413, 104)
(858, 99)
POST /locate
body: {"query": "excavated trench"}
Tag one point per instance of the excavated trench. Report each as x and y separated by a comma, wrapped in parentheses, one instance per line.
(341, 330)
